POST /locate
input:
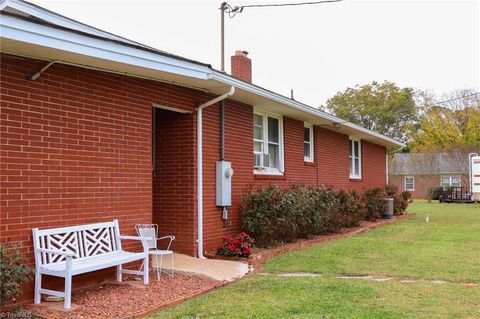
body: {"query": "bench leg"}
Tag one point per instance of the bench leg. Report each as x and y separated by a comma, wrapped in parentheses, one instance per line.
(119, 273)
(146, 269)
(68, 292)
(38, 286)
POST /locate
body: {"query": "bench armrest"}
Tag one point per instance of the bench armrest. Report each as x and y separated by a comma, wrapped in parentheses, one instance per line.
(56, 252)
(143, 239)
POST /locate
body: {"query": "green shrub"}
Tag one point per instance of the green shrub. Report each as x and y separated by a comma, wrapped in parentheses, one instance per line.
(273, 214)
(264, 215)
(404, 200)
(351, 208)
(400, 200)
(327, 217)
(12, 273)
(374, 203)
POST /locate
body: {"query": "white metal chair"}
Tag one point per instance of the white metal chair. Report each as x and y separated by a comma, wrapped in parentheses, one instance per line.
(151, 230)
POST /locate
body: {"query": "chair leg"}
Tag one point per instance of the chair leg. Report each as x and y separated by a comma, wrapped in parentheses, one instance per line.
(172, 264)
(159, 269)
(146, 269)
(68, 292)
(119, 273)
(38, 286)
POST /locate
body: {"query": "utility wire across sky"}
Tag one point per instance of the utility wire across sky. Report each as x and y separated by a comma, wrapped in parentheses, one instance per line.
(233, 10)
(238, 9)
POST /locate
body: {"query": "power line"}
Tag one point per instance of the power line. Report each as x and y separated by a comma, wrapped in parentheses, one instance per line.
(232, 11)
(287, 4)
(453, 99)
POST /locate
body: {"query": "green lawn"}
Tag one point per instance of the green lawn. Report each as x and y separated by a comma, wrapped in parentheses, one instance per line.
(448, 248)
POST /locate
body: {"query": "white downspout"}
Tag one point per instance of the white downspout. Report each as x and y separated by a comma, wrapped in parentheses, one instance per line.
(200, 168)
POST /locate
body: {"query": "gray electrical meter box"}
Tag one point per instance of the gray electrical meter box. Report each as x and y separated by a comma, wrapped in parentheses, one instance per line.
(224, 183)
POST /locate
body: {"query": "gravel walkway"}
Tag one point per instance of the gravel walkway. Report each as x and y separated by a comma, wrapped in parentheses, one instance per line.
(128, 299)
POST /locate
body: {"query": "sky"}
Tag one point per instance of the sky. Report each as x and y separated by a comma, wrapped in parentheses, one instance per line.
(316, 50)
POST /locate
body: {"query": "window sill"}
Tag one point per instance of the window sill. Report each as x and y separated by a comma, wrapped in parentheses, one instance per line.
(267, 171)
(356, 179)
(309, 163)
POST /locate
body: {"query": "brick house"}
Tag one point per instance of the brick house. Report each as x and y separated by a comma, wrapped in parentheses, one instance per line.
(420, 172)
(96, 127)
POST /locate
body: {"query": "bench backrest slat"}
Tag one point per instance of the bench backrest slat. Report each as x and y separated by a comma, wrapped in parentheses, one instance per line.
(83, 241)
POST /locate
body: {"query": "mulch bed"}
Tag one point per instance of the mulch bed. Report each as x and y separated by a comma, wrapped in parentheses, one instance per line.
(129, 299)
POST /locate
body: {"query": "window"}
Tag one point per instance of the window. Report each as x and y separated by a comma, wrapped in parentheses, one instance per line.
(268, 143)
(308, 142)
(455, 181)
(409, 183)
(446, 181)
(355, 158)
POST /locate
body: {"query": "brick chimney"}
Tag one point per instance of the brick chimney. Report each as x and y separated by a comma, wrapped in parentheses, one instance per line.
(242, 66)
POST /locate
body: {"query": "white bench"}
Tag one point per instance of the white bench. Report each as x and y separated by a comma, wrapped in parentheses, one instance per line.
(69, 251)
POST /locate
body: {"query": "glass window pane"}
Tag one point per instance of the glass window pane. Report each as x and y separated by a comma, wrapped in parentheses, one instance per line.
(350, 148)
(257, 160)
(257, 119)
(306, 134)
(273, 156)
(306, 149)
(445, 181)
(409, 183)
(351, 166)
(273, 130)
(258, 133)
(357, 167)
(456, 181)
(258, 147)
(257, 127)
(355, 145)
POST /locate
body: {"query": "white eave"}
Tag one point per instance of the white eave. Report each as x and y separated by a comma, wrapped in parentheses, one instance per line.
(92, 48)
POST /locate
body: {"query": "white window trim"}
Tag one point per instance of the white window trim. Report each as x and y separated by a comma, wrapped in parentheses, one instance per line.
(268, 170)
(405, 183)
(312, 154)
(450, 178)
(351, 140)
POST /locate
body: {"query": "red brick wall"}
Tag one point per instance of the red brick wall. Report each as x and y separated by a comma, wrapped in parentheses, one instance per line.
(238, 150)
(422, 183)
(174, 181)
(75, 148)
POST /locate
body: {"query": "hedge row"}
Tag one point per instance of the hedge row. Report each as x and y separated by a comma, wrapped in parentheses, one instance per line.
(274, 214)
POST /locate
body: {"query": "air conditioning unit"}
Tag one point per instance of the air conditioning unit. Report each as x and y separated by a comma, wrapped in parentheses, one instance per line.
(388, 208)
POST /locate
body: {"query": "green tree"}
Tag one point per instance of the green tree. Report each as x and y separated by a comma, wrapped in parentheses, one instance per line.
(442, 129)
(381, 107)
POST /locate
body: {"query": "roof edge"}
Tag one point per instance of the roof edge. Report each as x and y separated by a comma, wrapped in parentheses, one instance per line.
(255, 89)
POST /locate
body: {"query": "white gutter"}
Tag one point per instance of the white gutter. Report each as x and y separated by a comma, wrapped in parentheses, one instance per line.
(16, 29)
(200, 168)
